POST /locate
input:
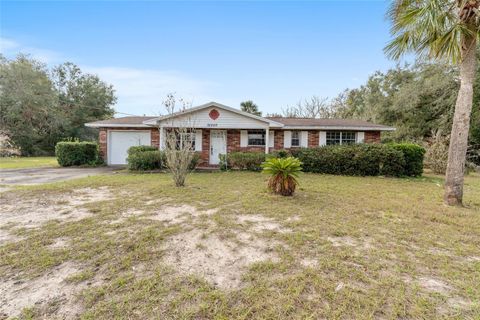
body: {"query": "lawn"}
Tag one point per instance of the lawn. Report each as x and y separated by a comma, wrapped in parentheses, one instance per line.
(27, 162)
(132, 246)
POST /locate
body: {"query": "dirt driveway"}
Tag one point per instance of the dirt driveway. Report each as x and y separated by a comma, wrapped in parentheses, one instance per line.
(46, 175)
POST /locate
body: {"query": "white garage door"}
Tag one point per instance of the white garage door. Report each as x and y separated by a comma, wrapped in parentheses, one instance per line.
(120, 141)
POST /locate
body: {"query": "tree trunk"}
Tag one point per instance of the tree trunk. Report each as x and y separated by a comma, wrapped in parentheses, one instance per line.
(457, 150)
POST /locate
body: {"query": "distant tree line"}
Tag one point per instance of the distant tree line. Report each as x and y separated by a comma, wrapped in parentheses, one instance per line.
(41, 106)
(417, 99)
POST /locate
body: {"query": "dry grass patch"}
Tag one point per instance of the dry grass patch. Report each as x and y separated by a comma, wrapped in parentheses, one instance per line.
(231, 250)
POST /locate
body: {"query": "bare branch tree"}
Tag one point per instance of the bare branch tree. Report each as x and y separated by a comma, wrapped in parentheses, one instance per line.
(179, 140)
(315, 107)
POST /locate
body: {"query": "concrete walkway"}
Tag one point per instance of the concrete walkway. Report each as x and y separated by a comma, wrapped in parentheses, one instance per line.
(45, 175)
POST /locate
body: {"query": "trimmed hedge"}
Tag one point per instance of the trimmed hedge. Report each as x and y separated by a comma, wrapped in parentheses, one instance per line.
(77, 153)
(413, 154)
(145, 160)
(363, 159)
(136, 149)
(246, 160)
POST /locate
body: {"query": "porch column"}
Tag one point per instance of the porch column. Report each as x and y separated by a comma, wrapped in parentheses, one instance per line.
(162, 138)
(267, 134)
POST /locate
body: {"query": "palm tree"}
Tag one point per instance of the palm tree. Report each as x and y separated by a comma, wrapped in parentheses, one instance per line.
(444, 30)
(250, 107)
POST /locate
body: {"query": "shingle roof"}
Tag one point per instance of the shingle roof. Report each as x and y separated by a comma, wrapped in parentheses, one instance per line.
(127, 121)
(310, 122)
(290, 123)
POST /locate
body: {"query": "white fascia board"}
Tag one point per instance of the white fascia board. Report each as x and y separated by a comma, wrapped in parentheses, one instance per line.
(103, 125)
(338, 128)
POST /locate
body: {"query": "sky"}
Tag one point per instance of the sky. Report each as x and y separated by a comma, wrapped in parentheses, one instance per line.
(274, 53)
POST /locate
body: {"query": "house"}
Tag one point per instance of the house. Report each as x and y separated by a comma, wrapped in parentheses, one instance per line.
(219, 129)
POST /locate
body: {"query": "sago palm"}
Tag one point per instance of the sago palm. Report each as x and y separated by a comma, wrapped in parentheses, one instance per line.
(284, 173)
(447, 30)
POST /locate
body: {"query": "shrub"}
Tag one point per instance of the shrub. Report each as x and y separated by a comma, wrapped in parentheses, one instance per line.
(246, 160)
(357, 160)
(284, 174)
(436, 157)
(195, 161)
(74, 153)
(136, 149)
(145, 160)
(413, 154)
(280, 154)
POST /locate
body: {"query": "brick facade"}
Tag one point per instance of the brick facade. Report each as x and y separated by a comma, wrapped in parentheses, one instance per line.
(372, 137)
(233, 141)
(103, 132)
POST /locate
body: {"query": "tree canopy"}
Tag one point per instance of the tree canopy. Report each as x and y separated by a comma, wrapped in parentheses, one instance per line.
(39, 107)
(250, 107)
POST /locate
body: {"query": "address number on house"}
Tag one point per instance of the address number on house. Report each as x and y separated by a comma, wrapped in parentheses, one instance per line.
(211, 125)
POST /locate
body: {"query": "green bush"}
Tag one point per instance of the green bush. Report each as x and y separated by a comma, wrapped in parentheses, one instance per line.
(279, 154)
(145, 160)
(246, 160)
(413, 154)
(74, 153)
(195, 161)
(356, 160)
(136, 149)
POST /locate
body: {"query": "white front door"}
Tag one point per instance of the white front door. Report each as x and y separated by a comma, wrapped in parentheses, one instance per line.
(218, 145)
(120, 141)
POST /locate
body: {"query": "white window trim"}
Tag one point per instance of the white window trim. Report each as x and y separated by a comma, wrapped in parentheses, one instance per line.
(341, 136)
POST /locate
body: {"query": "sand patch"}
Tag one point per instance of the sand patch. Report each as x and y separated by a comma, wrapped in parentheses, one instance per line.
(259, 223)
(33, 212)
(309, 262)
(434, 285)
(47, 290)
(179, 214)
(220, 261)
(347, 241)
(60, 243)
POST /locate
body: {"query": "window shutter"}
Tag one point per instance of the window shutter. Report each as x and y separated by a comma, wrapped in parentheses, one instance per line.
(271, 138)
(304, 139)
(323, 138)
(360, 137)
(198, 140)
(287, 139)
(243, 138)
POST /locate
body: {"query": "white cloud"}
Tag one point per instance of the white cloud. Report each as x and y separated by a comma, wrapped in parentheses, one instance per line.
(141, 91)
(7, 44)
(10, 48)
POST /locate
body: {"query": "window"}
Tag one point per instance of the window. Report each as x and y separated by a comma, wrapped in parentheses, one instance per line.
(334, 137)
(256, 137)
(295, 139)
(348, 137)
(339, 137)
(185, 139)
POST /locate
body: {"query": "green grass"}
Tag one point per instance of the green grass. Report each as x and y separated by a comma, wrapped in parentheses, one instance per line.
(27, 162)
(402, 230)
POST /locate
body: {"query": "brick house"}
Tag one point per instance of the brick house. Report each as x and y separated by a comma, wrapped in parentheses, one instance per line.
(219, 129)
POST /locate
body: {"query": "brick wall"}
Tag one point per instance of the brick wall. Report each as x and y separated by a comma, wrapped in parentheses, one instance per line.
(205, 153)
(372, 137)
(102, 138)
(102, 143)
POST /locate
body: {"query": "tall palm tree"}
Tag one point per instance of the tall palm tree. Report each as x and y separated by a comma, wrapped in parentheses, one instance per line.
(250, 107)
(446, 30)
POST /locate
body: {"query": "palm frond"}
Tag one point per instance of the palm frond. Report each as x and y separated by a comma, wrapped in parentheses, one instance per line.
(429, 28)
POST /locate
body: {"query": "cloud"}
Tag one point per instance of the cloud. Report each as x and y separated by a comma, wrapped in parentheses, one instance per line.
(10, 48)
(141, 91)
